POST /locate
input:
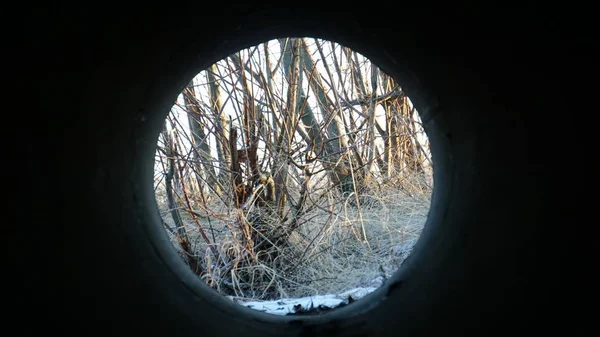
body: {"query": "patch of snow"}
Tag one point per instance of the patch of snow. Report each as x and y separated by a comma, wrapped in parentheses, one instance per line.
(357, 293)
(286, 305)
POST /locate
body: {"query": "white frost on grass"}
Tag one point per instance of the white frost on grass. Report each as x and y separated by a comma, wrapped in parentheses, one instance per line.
(286, 305)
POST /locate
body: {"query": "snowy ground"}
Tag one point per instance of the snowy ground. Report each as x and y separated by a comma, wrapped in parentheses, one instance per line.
(321, 303)
(287, 306)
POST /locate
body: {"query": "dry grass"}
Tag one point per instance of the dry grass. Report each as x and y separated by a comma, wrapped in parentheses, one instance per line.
(341, 245)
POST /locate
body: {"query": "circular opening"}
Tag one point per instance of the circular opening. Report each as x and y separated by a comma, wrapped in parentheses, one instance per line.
(294, 176)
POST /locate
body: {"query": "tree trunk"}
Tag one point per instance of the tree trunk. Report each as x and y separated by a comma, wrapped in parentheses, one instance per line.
(326, 151)
(221, 122)
(202, 154)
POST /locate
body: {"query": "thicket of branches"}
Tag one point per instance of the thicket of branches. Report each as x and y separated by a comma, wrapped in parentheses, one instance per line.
(282, 164)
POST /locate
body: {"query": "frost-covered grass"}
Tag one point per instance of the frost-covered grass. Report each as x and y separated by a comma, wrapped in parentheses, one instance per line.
(335, 250)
